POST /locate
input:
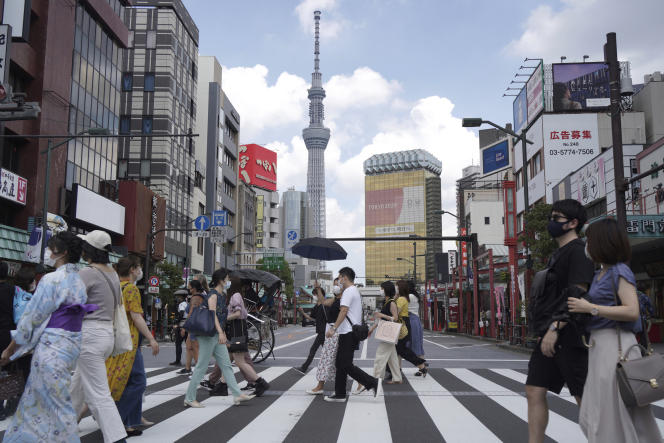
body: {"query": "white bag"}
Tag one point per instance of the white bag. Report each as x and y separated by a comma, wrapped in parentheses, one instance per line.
(123, 342)
(388, 331)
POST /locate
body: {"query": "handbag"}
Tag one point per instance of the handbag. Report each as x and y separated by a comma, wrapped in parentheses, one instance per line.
(237, 331)
(121, 333)
(388, 331)
(640, 381)
(360, 332)
(201, 321)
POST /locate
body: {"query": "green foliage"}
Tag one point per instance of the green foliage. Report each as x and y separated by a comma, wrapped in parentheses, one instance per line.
(171, 275)
(282, 271)
(536, 237)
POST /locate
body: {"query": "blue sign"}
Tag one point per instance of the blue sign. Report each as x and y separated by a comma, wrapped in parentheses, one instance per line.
(292, 235)
(219, 218)
(202, 223)
(496, 157)
(520, 110)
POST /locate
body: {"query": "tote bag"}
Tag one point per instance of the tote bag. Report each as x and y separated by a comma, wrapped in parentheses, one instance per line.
(201, 321)
(123, 342)
(388, 331)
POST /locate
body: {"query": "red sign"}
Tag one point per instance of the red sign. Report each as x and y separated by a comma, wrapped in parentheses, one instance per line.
(464, 250)
(258, 166)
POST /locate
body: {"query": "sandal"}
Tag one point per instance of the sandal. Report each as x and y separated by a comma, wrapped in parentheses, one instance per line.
(392, 382)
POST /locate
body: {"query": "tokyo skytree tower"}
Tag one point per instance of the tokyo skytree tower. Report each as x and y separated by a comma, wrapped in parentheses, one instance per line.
(316, 137)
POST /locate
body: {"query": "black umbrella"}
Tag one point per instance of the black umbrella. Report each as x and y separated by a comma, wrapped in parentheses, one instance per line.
(319, 249)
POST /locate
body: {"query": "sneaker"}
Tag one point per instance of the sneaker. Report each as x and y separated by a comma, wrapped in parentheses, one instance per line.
(205, 384)
(184, 371)
(249, 387)
(261, 387)
(313, 392)
(175, 363)
(300, 370)
(335, 398)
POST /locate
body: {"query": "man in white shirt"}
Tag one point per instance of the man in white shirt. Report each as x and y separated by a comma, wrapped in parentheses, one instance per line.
(349, 315)
(179, 332)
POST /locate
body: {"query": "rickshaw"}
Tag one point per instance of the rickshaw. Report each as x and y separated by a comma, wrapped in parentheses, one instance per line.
(262, 288)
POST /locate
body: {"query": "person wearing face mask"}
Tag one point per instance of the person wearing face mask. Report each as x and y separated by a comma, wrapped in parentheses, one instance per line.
(318, 316)
(326, 369)
(126, 372)
(559, 357)
(51, 328)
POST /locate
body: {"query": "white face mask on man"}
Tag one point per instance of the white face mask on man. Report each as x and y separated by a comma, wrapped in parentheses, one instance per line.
(336, 289)
(49, 260)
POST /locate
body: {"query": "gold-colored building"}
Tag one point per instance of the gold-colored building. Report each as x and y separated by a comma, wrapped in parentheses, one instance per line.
(402, 193)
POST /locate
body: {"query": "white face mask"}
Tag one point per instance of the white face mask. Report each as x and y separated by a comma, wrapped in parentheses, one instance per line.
(49, 260)
(33, 286)
(336, 289)
(139, 275)
(227, 285)
(382, 292)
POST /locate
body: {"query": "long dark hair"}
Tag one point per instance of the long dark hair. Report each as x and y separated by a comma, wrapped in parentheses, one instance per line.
(402, 286)
(389, 289)
(218, 276)
(413, 290)
(66, 242)
(236, 287)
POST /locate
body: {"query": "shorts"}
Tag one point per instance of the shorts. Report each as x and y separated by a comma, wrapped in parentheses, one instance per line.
(569, 365)
(192, 337)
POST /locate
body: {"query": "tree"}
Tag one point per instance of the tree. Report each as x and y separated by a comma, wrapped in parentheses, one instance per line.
(171, 275)
(536, 237)
(281, 269)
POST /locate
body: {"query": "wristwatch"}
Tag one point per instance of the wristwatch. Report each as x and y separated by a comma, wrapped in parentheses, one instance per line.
(594, 311)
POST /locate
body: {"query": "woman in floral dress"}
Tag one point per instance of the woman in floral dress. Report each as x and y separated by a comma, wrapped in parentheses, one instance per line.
(51, 326)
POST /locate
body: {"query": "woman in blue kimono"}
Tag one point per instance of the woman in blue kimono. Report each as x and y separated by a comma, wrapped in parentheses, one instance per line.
(50, 326)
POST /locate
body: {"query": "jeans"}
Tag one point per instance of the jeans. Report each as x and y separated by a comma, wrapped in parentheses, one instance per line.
(318, 342)
(130, 405)
(90, 383)
(209, 346)
(215, 375)
(345, 367)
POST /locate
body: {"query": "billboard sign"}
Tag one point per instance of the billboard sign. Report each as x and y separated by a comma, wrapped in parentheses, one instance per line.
(590, 181)
(451, 261)
(520, 110)
(535, 93)
(579, 86)
(396, 210)
(258, 166)
(495, 157)
(97, 210)
(13, 187)
(260, 204)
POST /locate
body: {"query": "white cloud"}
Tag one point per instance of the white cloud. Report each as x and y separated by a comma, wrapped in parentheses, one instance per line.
(580, 27)
(330, 27)
(262, 105)
(364, 88)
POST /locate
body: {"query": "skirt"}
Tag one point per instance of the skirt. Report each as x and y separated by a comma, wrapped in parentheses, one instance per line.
(416, 336)
(327, 368)
(603, 415)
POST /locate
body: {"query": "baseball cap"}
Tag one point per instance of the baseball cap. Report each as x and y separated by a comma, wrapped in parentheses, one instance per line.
(97, 239)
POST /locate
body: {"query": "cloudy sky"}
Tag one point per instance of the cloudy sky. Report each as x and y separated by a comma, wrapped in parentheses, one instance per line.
(400, 74)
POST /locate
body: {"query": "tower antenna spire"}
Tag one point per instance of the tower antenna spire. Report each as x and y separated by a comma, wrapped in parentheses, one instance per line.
(316, 42)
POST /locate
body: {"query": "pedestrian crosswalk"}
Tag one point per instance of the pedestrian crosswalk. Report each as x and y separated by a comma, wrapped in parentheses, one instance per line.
(451, 405)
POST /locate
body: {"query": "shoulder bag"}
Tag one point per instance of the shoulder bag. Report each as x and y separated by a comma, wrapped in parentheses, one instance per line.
(237, 335)
(640, 381)
(123, 342)
(361, 331)
(201, 320)
(388, 331)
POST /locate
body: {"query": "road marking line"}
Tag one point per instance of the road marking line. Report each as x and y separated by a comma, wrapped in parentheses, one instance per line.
(162, 377)
(458, 347)
(453, 420)
(520, 377)
(560, 428)
(293, 343)
(365, 418)
(277, 421)
(363, 356)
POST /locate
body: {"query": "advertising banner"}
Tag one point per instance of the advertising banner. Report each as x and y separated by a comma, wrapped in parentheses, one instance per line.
(260, 204)
(579, 86)
(520, 110)
(464, 251)
(451, 261)
(258, 166)
(496, 157)
(394, 211)
(535, 93)
(570, 140)
(591, 182)
(13, 187)
(453, 313)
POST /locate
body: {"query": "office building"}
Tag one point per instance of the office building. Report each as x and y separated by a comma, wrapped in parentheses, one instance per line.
(402, 195)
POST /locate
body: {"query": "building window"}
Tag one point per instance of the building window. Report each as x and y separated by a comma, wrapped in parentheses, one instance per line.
(536, 163)
(487, 220)
(198, 180)
(194, 70)
(151, 40)
(127, 81)
(192, 107)
(148, 85)
(123, 168)
(145, 168)
(130, 39)
(125, 124)
(147, 125)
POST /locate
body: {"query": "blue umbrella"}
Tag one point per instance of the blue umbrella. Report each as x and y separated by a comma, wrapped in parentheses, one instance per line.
(319, 249)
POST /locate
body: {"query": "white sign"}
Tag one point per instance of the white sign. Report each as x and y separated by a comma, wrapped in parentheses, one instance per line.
(5, 37)
(153, 289)
(570, 140)
(395, 229)
(13, 187)
(200, 234)
(451, 261)
(535, 93)
(598, 102)
(98, 211)
(522, 285)
(590, 181)
(218, 234)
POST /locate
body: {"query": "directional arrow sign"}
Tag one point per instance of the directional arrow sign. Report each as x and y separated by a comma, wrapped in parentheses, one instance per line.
(202, 223)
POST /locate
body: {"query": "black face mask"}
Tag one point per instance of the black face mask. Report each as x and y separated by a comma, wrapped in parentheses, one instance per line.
(556, 228)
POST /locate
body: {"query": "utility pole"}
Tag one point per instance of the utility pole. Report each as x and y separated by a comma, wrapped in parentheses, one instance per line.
(611, 58)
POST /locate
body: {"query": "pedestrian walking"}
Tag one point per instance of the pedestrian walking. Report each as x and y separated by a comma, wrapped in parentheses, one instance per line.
(216, 346)
(90, 382)
(403, 350)
(236, 323)
(386, 353)
(318, 316)
(614, 308)
(326, 369)
(415, 331)
(25, 287)
(51, 327)
(350, 314)
(559, 357)
(191, 341)
(179, 333)
(126, 372)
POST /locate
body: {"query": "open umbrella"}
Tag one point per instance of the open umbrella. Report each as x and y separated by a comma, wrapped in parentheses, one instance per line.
(319, 249)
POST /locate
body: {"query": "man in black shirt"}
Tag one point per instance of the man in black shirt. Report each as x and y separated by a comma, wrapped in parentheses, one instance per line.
(317, 315)
(560, 356)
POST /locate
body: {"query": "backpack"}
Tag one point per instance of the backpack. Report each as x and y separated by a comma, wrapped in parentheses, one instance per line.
(544, 299)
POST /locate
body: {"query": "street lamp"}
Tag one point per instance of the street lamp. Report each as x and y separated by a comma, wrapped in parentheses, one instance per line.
(85, 133)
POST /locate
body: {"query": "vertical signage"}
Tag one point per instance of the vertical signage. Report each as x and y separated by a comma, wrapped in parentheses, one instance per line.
(464, 250)
(153, 227)
(260, 202)
(5, 38)
(535, 93)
